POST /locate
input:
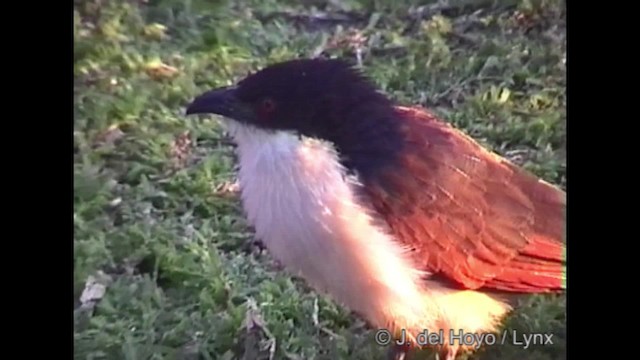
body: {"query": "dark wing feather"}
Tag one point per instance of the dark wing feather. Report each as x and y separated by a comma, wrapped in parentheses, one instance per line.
(470, 215)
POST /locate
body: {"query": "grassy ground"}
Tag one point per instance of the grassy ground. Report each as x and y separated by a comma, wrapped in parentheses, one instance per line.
(163, 257)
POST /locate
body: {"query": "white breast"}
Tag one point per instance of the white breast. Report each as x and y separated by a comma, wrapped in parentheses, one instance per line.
(297, 197)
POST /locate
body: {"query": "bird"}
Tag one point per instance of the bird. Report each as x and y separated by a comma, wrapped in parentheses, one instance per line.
(392, 211)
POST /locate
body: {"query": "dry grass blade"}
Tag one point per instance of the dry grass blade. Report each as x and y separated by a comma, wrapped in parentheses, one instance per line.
(160, 71)
(254, 324)
(181, 148)
(94, 290)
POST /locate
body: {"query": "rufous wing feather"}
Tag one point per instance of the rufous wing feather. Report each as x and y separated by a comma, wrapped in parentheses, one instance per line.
(468, 214)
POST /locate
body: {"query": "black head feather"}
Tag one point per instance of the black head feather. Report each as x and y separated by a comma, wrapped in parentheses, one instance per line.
(304, 94)
(324, 98)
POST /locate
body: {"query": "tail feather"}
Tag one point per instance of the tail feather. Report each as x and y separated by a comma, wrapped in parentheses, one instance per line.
(540, 267)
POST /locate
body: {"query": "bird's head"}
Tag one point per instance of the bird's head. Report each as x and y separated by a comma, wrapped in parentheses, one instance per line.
(323, 98)
(309, 96)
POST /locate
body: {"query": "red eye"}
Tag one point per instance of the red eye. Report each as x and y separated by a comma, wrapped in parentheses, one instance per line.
(268, 105)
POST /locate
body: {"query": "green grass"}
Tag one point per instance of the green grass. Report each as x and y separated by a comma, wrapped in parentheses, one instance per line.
(155, 219)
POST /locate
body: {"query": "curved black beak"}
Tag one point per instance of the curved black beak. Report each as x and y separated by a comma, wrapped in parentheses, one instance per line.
(221, 101)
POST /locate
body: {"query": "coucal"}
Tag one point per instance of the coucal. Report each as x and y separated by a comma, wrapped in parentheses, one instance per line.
(394, 213)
